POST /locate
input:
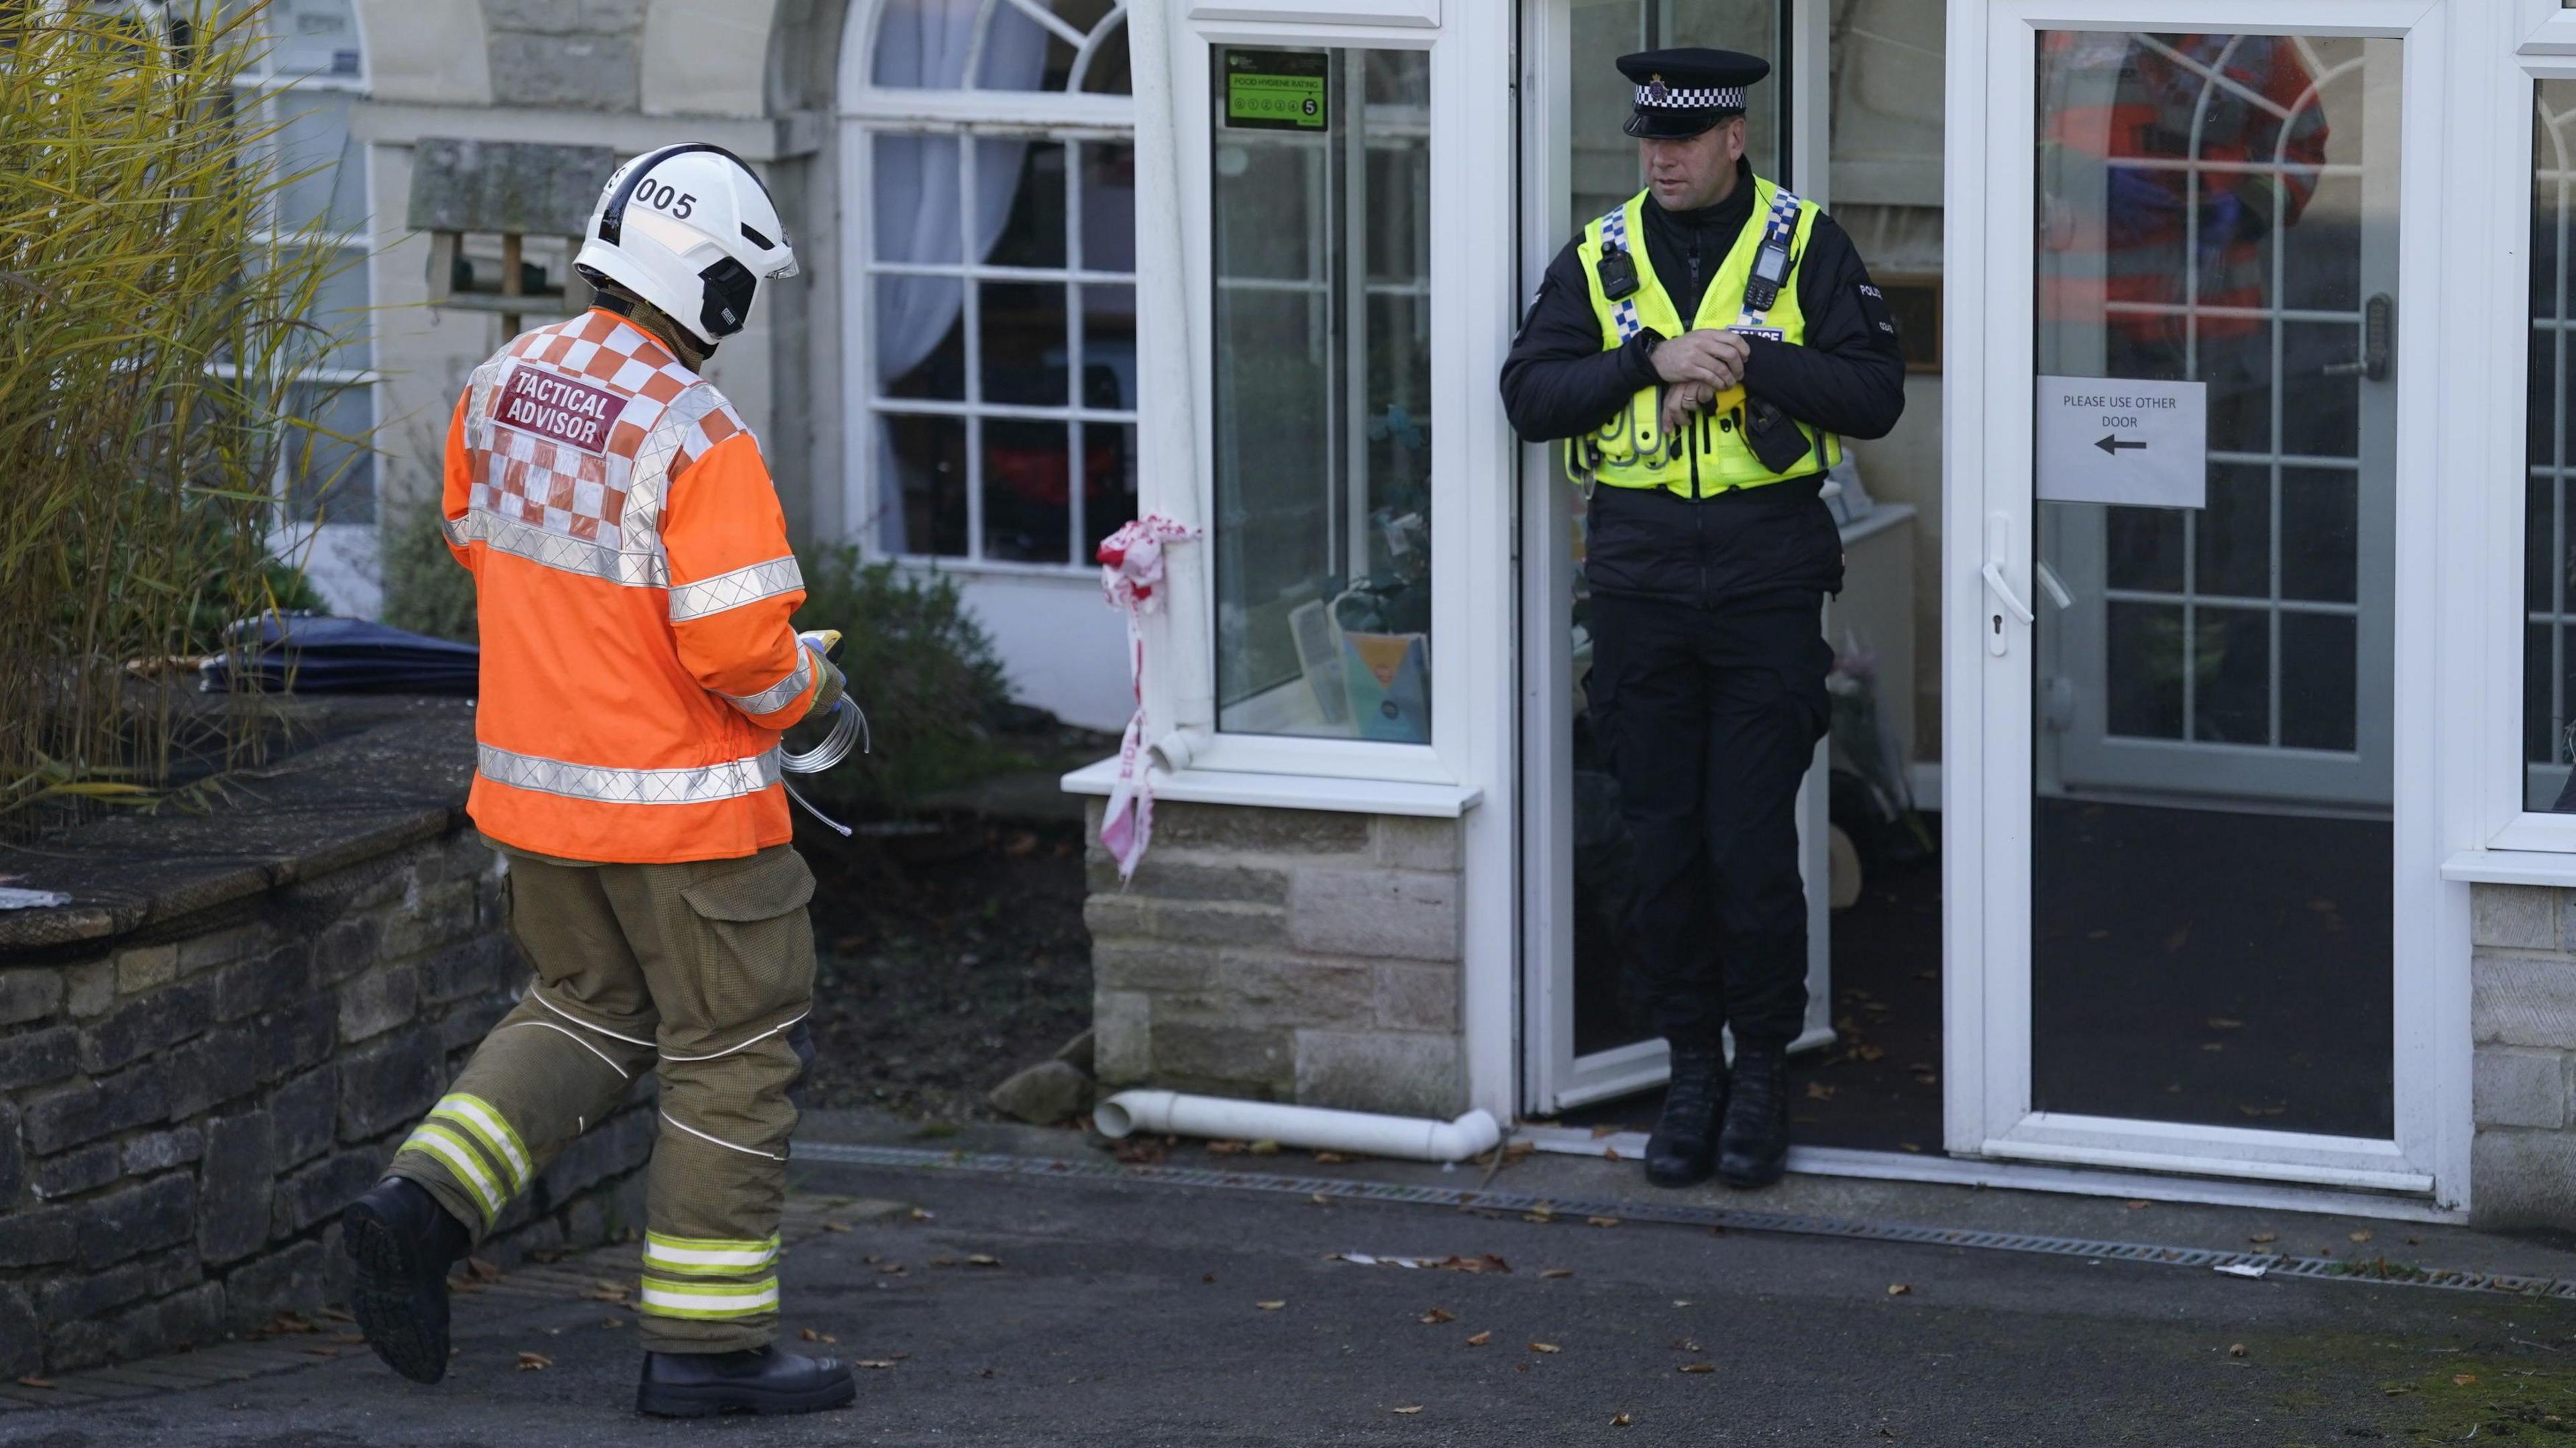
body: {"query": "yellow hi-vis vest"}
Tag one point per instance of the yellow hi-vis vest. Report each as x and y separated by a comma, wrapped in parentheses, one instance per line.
(1709, 456)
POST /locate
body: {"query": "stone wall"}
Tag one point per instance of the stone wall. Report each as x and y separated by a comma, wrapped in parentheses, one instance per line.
(2523, 981)
(1283, 955)
(183, 1112)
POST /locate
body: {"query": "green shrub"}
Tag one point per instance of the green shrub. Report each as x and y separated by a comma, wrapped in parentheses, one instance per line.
(425, 590)
(922, 668)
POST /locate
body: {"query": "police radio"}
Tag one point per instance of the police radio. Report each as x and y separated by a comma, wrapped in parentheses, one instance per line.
(1770, 269)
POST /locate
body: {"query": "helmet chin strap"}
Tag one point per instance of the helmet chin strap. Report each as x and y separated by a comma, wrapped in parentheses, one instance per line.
(614, 298)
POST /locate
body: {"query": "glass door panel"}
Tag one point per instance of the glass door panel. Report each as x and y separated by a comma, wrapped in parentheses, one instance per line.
(2211, 854)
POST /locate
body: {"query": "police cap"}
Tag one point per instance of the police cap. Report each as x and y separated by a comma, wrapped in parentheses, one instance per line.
(1684, 91)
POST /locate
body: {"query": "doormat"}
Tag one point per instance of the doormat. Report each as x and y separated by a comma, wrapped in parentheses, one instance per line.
(2235, 1264)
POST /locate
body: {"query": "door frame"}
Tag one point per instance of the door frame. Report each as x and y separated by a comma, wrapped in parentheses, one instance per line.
(1553, 1078)
(1988, 708)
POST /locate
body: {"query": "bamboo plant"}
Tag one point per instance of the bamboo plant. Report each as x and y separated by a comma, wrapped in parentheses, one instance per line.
(156, 306)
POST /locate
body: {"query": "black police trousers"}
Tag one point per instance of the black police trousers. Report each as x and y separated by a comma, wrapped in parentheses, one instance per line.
(1709, 717)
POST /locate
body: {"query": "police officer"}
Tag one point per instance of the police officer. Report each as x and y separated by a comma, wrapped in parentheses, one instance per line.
(1702, 350)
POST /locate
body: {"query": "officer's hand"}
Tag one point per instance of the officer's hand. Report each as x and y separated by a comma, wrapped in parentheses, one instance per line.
(1698, 357)
(830, 690)
(1733, 352)
(1681, 401)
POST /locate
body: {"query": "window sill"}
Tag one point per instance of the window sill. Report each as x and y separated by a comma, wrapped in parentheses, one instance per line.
(2512, 867)
(1291, 791)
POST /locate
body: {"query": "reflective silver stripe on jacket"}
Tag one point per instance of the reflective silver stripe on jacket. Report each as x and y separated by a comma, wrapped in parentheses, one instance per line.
(733, 590)
(730, 780)
(781, 694)
(559, 552)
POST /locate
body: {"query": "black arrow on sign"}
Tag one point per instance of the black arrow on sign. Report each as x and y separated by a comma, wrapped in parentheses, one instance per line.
(2113, 445)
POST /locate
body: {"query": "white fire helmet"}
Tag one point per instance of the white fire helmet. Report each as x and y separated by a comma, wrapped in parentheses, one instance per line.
(690, 229)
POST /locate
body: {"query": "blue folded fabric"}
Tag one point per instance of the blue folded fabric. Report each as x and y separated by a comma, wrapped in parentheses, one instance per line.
(319, 654)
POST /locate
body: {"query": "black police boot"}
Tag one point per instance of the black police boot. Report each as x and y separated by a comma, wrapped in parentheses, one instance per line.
(1683, 1150)
(401, 1242)
(1754, 1148)
(758, 1380)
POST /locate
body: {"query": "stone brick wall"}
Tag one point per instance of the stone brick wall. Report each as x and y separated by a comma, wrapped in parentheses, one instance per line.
(581, 54)
(1283, 955)
(2523, 982)
(183, 1114)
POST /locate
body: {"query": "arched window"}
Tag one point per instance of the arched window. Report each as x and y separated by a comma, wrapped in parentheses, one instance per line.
(300, 88)
(992, 270)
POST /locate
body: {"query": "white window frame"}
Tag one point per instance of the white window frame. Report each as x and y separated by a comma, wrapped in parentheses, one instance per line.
(290, 537)
(2505, 841)
(1987, 703)
(1472, 315)
(968, 115)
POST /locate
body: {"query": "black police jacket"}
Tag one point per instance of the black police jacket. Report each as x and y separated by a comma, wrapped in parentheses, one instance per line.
(1848, 377)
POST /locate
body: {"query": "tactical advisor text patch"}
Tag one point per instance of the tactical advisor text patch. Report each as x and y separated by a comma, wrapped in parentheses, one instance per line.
(559, 409)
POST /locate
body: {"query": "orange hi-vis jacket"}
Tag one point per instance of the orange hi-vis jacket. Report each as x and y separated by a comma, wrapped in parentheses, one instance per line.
(633, 581)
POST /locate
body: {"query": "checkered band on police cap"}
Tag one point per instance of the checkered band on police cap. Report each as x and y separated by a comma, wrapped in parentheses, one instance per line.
(1655, 95)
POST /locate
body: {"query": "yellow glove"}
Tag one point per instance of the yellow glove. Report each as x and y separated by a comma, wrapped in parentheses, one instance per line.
(828, 693)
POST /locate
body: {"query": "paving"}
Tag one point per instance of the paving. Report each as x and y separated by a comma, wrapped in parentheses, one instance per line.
(1110, 1308)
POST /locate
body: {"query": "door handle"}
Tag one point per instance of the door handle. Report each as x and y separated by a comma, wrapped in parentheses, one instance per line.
(2373, 361)
(1999, 588)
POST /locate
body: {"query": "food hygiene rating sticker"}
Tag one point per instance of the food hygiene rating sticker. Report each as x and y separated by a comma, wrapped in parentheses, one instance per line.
(1278, 90)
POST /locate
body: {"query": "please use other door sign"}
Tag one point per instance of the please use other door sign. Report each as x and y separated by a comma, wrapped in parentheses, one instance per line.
(2117, 440)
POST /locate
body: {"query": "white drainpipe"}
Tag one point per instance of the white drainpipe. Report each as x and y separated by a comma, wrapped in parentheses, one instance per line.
(1360, 1133)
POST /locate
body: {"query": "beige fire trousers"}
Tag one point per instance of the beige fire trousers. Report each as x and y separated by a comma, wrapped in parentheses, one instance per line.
(700, 971)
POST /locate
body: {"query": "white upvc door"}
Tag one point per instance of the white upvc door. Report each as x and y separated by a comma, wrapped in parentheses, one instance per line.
(2290, 157)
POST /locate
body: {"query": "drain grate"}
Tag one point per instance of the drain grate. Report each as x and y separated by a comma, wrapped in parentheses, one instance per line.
(1682, 1214)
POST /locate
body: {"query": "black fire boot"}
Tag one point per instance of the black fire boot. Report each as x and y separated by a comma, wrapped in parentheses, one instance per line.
(1754, 1148)
(758, 1380)
(1683, 1150)
(401, 1242)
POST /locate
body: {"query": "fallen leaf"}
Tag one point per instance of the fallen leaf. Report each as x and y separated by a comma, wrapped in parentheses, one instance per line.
(1699, 1367)
(1545, 1347)
(1602, 1221)
(1686, 1344)
(1480, 1339)
(1907, 1146)
(919, 1215)
(2264, 1237)
(1611, 1153)
(811, 1335)
(891, 1269)
(2236, 1349)
(1319, 1199)
(1437, 1316)
(1409, 1411)
(1331, 1158)
(475, 1267)
(943, 1261)
(1207, 1277)
(1620, 1421)
(889, 1362)
(531, 1362)
(2140, 1206)
(2362, 1236)
(334, 1314)
(612, 1322)
(1868, 1052)
(1263, 1148)
(1271, 1306)
(1819, 1091)
(1486, 1263)
(1600, 1132)
(2463, 1379)
(1898, 1289)
(981, 1259)
(1555, 1272)
(1681, 1302)
(836, 1226)
(32, 1381)
(1225, 1148)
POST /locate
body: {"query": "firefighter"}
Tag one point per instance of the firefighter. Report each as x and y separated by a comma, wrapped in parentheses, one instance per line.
(1704, 349)
(634, 581)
